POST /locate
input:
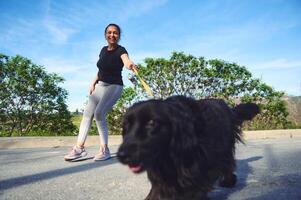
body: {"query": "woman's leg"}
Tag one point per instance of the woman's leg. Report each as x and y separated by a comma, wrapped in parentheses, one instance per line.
(78, 151)
(109, 96)
(87, 118)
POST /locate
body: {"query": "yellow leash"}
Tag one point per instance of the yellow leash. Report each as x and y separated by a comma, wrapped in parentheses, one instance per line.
(145, 86)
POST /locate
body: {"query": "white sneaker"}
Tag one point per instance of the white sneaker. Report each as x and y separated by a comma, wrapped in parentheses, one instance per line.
(76, 152)
(102, 155)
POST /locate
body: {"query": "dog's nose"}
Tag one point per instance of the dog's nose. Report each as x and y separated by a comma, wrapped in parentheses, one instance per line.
(126, 152)
(122, 156)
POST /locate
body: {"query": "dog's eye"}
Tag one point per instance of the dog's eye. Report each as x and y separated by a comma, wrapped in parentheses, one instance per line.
(151, 124)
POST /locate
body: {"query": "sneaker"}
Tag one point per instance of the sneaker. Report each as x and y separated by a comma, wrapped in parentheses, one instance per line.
(102, 155)
(76, 152)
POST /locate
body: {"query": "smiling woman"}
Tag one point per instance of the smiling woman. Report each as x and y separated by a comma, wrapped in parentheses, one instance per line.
(104, 92)
(112, 34)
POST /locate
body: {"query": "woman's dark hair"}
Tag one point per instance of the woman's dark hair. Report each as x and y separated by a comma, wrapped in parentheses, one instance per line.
(118, 28)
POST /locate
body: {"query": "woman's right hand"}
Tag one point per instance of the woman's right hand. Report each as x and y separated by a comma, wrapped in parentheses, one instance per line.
(91, 89)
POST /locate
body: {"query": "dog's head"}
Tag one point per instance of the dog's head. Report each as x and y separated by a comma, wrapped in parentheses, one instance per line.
(146, 135)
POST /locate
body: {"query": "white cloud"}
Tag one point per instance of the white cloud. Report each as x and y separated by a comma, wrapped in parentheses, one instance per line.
(17, 31)
(61, 66)
(59, 33)
(75, 84)
(141, 55)
(281, 63)
(63, 69)
(62, 21)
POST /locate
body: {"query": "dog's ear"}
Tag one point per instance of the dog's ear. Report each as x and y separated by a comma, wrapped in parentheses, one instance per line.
(187, 154)
(184, 143)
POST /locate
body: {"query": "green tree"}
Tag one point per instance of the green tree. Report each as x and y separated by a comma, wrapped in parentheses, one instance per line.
(114, 117)
(31, 102)
(187, 75)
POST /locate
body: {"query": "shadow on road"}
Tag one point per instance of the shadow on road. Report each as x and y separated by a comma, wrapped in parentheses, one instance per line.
(281, 187)
(243, 170)
(19, 181)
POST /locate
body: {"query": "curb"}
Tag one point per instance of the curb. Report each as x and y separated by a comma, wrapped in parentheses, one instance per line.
(62, 141)
(271, 134)
(52, 142)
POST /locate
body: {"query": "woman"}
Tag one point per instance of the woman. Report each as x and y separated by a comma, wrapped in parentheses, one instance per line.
(104, 92)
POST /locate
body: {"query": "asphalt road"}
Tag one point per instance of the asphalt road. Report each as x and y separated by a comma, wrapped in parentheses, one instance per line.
(267, 169)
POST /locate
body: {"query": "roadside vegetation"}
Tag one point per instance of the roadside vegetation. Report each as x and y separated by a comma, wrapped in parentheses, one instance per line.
(31, 100)
(32, 103)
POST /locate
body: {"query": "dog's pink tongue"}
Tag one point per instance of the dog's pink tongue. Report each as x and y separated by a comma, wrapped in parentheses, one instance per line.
(135, 168)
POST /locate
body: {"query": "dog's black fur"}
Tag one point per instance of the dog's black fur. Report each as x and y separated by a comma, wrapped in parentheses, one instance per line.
(185, 145)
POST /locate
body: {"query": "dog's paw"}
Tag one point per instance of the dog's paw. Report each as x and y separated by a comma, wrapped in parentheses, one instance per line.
(228, 182)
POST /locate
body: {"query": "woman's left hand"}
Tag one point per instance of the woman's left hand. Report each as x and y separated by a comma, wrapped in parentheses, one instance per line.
(133, 67)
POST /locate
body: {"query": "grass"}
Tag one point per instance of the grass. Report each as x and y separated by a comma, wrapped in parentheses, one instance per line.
(76, 120)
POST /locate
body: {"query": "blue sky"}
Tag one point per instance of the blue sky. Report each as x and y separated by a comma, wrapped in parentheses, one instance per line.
(66, 36)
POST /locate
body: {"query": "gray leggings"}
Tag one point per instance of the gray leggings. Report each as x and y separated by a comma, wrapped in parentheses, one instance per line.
(100, 102)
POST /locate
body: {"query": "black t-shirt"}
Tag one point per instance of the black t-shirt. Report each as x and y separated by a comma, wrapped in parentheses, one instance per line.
(110, 65)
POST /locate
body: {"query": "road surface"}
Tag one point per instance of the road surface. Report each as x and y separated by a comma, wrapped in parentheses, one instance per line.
(267, 169)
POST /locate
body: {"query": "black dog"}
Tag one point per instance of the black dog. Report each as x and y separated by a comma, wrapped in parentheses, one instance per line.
(185, 145)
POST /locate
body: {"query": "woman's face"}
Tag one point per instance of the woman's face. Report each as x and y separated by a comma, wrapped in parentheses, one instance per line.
(112, 35)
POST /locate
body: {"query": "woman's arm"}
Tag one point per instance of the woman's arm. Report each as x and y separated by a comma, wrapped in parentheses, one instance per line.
(127, 62)
(92, 87)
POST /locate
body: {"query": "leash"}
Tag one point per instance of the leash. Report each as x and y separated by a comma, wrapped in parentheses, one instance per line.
(145, 86)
